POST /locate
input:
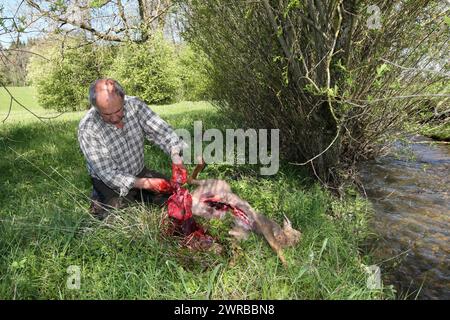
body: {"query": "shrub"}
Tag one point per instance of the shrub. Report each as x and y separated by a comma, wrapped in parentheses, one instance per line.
(148, 70)
(63, 80)
(330, 77)
(192, 69)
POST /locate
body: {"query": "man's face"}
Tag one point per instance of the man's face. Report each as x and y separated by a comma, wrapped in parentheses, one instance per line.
(111, 108)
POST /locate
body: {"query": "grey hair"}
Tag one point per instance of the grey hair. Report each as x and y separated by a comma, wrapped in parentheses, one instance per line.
(117, 90)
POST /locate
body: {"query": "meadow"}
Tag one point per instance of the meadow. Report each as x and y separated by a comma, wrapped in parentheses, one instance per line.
(45, 226)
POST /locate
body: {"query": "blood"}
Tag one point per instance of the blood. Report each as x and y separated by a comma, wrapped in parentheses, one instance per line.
(237, 212)
(182, 224)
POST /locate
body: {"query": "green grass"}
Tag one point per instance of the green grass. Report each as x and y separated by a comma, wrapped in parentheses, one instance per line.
(436, 130)
(45, 228)
(27, 96)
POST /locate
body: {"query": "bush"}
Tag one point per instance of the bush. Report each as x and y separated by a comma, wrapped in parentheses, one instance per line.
(192, 69)
(63, 81)
(151, 70)
(148, 70)
(331, 81)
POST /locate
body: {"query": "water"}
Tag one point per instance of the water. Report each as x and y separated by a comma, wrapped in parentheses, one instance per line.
(409, 190)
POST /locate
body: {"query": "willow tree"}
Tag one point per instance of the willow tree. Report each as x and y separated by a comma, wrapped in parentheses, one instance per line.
(334, 76)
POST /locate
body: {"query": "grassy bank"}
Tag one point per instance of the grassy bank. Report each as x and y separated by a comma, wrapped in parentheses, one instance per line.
(440, 131)
(45, 228)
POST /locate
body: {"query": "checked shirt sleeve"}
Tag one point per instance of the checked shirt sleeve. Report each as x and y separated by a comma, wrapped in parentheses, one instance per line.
(159, 131)
(99, 160)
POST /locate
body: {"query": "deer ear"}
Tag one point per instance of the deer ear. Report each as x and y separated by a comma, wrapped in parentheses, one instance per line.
(286, 223)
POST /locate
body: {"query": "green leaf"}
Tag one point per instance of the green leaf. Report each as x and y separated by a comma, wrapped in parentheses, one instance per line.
(447, 20)
(285, 75)
(96, 4)
(277, 58)
(300, 274)
(279, 31)
(211, 280)
(324, 245)
(349, 81)
(293, 4)
(382, 69)
(332, 92)
(310, 88)
(340, 66)
(249, 14)
(58, 5)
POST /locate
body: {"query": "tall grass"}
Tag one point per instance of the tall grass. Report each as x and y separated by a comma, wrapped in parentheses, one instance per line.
(45, 228)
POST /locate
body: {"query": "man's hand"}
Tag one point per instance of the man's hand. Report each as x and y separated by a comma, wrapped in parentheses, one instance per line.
(179, 173)
(154, 184)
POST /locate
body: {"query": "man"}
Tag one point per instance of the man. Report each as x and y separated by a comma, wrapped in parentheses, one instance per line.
(111, 137)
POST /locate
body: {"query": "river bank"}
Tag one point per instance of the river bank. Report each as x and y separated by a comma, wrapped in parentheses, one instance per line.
(437, 131)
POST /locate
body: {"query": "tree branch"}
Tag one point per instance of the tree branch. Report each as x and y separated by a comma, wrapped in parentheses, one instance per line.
(416, 69)
(81, 25)
(41, 118)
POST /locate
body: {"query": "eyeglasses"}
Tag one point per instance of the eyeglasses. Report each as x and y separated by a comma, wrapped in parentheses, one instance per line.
(113, 113)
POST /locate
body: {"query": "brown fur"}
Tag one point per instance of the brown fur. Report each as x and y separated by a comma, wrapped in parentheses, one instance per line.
(277, 237)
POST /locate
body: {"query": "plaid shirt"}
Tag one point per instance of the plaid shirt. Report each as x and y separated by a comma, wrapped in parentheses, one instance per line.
(115, 156)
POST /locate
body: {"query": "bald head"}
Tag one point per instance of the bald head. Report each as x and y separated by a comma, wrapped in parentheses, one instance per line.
(103, 90)
(107, 96)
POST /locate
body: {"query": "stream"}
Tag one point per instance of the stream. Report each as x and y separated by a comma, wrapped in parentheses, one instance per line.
(409, 190)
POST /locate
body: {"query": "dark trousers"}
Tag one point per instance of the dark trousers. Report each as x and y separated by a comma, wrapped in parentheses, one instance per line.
(105, 198)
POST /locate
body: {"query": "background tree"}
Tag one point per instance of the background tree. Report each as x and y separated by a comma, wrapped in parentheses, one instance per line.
(148, 70)
(192, 72)
(117, 20)
(62, 79)
(136, 42)
(13, 64)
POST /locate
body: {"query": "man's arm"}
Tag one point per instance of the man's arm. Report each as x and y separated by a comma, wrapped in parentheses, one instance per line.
(160, 132)
(99, 159)
(153, 184)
